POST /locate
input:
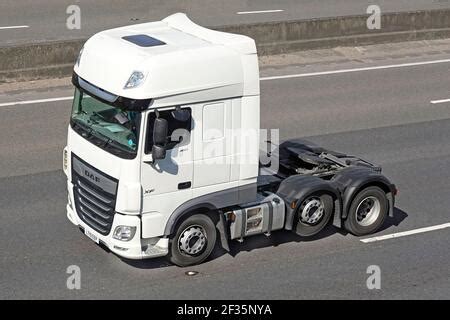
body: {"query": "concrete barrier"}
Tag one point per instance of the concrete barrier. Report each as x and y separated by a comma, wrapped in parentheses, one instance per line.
(55, 59)
(288, 36)
(38, 61)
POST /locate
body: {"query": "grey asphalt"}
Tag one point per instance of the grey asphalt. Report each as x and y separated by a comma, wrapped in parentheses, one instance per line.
(382, 115)
(47, 18)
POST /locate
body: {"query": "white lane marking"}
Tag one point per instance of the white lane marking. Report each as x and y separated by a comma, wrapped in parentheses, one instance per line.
(301, 75)
(439, 101)
(392, 66)
(406, 233)
(14, 27)
(259, 11)
(7, 104)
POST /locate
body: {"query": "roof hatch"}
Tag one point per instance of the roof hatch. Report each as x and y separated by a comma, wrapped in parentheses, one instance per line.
(143, 40)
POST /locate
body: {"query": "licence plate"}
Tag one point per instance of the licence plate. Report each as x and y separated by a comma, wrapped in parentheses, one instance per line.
(91, 235)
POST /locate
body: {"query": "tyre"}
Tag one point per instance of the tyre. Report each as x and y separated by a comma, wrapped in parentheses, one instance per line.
(194, 241)
(313, 214)
(367, 212)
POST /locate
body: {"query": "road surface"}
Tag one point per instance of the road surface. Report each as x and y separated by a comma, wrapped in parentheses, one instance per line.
(28, 21)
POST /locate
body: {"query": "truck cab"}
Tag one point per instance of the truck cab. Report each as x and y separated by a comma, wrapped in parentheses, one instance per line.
(162, 154)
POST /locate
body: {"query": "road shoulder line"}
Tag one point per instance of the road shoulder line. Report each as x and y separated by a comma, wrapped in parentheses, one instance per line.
(406, 233)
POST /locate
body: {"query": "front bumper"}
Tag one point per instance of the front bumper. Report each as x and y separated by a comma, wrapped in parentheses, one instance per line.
(137, 248)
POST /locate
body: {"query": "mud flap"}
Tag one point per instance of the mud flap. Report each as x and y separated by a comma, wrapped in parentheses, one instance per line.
(391, 204)
(337, 219)
(223, 230)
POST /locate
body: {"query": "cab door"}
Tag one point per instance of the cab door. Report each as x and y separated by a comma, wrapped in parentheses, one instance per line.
(171, 176)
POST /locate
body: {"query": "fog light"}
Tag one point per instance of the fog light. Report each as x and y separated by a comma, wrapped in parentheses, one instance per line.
(124, 233)
(120, 248)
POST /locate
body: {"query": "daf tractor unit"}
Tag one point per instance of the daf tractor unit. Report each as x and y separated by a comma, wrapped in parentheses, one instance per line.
(163, 147)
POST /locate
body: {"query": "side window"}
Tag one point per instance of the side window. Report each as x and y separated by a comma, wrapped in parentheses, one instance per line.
(178, 133)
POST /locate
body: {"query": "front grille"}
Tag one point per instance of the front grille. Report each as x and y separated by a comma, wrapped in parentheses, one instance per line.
(94, 206)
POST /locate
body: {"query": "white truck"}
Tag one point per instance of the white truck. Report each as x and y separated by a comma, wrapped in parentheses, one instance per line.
(163, 147)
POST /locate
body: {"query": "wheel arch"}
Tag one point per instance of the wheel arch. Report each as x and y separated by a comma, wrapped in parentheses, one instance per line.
(357, 179)
(295, 189)
(178, 216)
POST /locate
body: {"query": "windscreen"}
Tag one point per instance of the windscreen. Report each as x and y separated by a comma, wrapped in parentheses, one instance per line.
(108, 127)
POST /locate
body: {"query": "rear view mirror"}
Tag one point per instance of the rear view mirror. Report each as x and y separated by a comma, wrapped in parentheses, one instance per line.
(160, 130)
(158, 152)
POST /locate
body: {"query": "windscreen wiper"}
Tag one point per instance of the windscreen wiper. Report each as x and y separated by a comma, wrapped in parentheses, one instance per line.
(110, 142)
(95, 113)
(88, 129)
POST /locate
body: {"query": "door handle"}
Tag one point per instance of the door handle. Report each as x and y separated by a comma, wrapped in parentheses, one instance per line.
(184, 185)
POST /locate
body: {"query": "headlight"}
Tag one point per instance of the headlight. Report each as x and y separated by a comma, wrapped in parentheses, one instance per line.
(135, 80)
(124, 233)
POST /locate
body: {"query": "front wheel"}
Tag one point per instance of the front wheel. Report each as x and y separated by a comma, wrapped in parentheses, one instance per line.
(367, 212)
(194, 241)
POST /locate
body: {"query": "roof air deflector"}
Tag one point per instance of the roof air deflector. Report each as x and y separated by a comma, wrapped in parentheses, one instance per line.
(143, 40)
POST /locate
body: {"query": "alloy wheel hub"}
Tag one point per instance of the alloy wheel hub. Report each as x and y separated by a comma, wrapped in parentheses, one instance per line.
(312, 211)
(192, 240)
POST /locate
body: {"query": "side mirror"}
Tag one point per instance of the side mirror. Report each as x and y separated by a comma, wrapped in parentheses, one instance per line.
(158, 152)
(160, 130)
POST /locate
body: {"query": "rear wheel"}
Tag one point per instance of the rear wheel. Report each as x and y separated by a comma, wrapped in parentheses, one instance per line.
(194, 241)
(313, 214)
(367, 212)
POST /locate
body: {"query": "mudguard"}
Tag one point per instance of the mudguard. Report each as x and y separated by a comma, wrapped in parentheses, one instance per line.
(351, 180)
(296, 188)
(221, 224)
(211, 202)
